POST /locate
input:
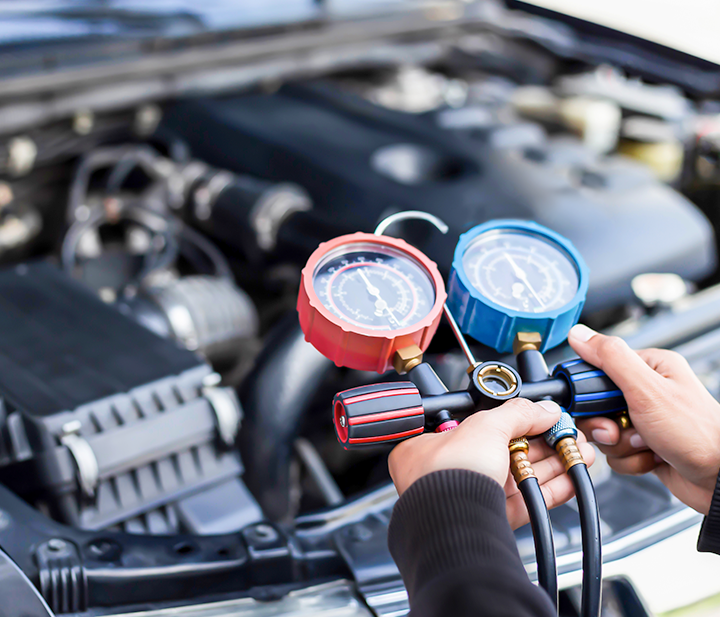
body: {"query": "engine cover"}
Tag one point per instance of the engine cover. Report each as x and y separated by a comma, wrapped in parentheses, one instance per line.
(105, 424)
(360, 162)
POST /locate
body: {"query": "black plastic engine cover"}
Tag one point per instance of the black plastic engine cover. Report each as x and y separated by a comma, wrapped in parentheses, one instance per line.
(137, 403)
(361, 162)
(61, 347)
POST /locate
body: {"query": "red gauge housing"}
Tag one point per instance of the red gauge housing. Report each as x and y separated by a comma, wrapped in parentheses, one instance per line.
(351, 345)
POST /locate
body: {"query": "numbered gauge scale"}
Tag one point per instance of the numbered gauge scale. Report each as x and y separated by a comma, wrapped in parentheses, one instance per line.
(363, 297)
(516, 276)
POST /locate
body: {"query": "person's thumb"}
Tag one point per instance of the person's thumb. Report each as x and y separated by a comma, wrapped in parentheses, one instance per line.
(613, 355)
(520, 417)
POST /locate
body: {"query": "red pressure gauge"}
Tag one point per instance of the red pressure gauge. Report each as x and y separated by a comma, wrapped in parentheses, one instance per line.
(363, 297)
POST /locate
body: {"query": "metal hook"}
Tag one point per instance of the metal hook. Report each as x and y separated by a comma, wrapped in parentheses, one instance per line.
(410, 215)
(443, 228)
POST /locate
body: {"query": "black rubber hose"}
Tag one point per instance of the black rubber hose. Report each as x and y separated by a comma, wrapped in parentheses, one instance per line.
(533, 370)
(591, 540)
(542, 536)
(152, 222)
(275, 397)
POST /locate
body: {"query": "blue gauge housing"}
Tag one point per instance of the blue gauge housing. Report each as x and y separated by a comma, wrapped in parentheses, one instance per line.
(496, 326)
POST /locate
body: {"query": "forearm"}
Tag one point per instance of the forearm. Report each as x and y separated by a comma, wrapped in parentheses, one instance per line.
(452, 542)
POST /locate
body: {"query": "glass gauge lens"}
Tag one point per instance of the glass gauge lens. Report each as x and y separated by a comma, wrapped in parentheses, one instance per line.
(521, 271)
(375, 287)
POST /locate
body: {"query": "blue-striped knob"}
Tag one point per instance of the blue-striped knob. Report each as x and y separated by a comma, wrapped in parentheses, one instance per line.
(592, 392)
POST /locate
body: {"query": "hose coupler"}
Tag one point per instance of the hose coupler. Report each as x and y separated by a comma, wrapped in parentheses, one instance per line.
(519, 462)
(569, 452)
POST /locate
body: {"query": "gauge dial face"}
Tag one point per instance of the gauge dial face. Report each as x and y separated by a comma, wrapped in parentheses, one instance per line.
(374, 287)
(521, 271)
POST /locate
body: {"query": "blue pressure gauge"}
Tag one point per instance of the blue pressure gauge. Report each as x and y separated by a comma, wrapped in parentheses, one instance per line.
(512, 276)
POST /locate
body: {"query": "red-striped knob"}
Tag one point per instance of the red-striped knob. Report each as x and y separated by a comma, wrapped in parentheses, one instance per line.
(377, 414)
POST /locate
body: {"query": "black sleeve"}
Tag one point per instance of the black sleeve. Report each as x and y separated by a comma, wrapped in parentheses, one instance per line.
(709, 540)
(452, 542)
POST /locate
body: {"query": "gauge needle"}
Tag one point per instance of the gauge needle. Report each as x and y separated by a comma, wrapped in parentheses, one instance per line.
(372, 290)
(380, 304)
(522, 275)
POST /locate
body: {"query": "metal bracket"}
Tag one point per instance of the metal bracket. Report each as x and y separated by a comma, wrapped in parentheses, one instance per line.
(228, 412)
(85, 459)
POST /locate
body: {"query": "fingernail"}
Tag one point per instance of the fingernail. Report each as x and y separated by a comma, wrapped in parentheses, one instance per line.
(582, 333)
(636, 441)
(550, 406)
(600, 435)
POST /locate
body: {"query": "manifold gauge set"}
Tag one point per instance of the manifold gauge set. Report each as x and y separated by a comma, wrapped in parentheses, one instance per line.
(372, 302)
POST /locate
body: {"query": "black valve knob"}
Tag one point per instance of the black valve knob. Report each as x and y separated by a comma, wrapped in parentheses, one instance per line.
(377, 414)
(592, 392)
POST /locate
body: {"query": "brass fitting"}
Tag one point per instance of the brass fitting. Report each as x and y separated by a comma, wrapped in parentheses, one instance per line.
(526, 340)
(500, 375)
(624, 421)
(519, 443)
(407, 358)
(569, 452)
(519, 463)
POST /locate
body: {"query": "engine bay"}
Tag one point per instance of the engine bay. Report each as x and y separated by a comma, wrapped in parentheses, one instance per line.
(155, 384)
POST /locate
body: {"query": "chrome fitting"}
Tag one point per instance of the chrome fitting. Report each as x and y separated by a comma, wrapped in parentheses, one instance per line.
(564, 428)
(88, 469)
(226, 407)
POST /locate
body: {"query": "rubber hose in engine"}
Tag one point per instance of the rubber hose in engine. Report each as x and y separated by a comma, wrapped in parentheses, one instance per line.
(275, 397)
(245, 212)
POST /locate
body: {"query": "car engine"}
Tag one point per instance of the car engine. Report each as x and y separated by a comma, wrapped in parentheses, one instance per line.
(155, 384)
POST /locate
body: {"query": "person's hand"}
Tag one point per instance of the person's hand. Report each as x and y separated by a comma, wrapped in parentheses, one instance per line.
(480, 444)
(556, 485)
(676, 421)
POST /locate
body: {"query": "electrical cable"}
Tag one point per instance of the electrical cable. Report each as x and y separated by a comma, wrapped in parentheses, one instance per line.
(119, 174)
(179, 152)
(158, 225)
(157, 260)
(542, 536)
(124, 159)
(143, 156)
(591, 540)
(220, 264)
